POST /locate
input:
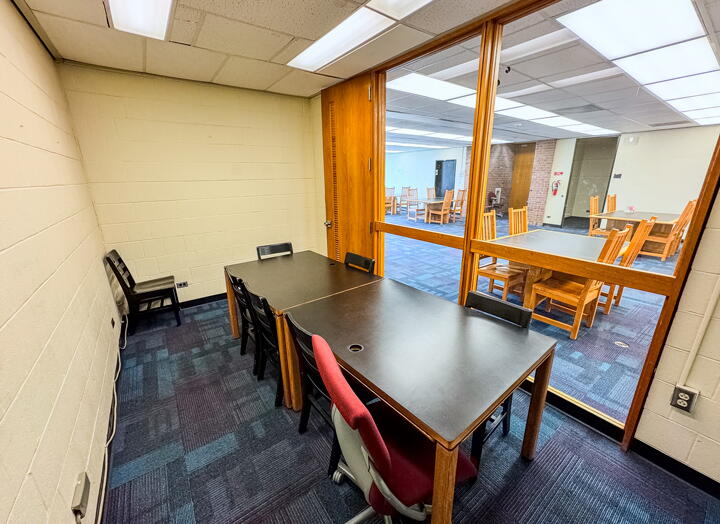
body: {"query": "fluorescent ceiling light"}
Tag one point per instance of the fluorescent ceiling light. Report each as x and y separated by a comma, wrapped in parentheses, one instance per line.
(527, 91)
(526, 113)
(397, 8)
(449, 136)
(696, 102)
(499, 141)
(537, 45)
(467, 101)
(389, 128)
(674, 61)
(393, 151)
(404, 131)
(503, 103)
(619, 28)
(431, 87)
(557, 121)
(687, 86)
(141, 17)
(458, 70)
(588, 129)
(356, 29)
(703, 113)
(406, 144)
(708, 121)
(587, 77)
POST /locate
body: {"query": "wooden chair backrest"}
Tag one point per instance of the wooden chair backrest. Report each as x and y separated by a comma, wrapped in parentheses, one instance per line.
(610, 251)
(642, 231)
(594, 210)
(404, 193)
(685, 217)
(431, 192)
(447, 200)
(518, 220)
(461, 195)
(413, 194)
(489, 226)
(611, 203)
(389, 192)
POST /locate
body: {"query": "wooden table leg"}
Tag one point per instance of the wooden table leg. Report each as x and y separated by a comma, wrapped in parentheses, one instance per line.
(232, 308)
(288, 365)
(444, 484)
(537, 405)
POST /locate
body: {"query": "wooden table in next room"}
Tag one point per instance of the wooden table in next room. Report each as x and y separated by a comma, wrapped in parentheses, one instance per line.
(289, 281)
(663, 224)
(443, 367)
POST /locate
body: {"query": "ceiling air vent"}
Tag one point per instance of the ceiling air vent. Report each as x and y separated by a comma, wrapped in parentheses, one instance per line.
(589, 108)
(678, 123)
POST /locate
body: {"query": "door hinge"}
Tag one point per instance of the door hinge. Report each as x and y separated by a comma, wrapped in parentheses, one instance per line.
(370, 93)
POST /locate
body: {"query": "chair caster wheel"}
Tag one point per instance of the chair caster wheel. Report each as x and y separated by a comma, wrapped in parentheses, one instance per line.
(337, 477)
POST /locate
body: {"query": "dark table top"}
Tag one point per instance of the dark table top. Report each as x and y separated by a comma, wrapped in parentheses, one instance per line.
(637, 216)
(290, 280)
(556, 243)
(439, 364)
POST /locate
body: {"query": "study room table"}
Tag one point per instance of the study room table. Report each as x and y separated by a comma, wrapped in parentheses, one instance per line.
(443, 367)
(663, 224)
(543, 241)
(287, 281)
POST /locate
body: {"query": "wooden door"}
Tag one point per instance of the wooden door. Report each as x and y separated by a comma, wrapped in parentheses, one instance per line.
(347, 111)
(522, 175)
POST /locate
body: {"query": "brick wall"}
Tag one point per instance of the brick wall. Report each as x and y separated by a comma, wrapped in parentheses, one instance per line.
(542, 166)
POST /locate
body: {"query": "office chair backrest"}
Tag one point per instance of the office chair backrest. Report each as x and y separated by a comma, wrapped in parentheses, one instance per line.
(359, 262)
(262, 316)
(283, 248)
(121, 271)
(306, 359)
(490, 305)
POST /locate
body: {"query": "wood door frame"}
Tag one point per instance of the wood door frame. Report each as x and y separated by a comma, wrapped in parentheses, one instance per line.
(490, 27)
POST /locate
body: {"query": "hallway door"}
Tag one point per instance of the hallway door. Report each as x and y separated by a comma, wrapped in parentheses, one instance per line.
(522, 175)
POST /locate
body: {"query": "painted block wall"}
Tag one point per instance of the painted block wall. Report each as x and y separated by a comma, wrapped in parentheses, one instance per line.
(57, 347)
(187, 177)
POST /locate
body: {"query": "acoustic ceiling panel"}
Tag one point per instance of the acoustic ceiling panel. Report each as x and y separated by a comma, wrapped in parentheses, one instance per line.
(238, 38)
(181, 61)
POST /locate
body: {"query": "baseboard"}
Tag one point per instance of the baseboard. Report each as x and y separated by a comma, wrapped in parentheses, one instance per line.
(203, 300)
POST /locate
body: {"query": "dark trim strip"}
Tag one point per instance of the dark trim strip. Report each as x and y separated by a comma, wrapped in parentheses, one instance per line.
(202, 300)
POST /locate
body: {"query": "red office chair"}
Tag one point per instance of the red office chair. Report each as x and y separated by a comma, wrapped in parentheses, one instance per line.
(394, 469)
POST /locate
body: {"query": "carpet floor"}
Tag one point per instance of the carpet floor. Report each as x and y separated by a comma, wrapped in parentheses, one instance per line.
(200, 441)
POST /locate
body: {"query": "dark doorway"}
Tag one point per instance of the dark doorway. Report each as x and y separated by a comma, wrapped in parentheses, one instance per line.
(444, 176)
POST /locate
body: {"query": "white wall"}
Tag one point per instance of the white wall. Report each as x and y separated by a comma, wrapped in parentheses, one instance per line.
(562, 163)
(57, 348)
(693, 439)
(417, 168)
(662, 170)
(187, 177)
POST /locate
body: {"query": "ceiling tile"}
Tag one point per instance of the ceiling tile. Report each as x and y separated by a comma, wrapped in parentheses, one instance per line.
(307, 19)
(601, 86)
(249, 73)
(182, 61)
(511, 78)
(92, 44)
(566, 6)
(294, 48)
(91, 11)
(237, 38)
(468, 80)
(431, 66)
(522, 23)
(630, 94)
(302, 83)
(389, 44)
(442, 15)
(567, 59)
(185, 25)
(529, 33)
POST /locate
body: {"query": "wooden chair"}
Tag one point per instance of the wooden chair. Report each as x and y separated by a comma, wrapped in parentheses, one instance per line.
(269, 250)
(430, 192)
(355, 261)
(611, 203)
(404, 197)
(577, 298)
(510, 277)
(243, 308)
(519, 316)
(518, 219)
(594, 228)
(390, 201)
(671, 242)
(144, 298)
(458, 205)
(442, 215)
(615, 291)
(415, 209)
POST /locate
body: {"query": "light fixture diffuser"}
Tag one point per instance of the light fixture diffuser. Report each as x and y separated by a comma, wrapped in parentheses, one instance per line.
(708, 112)
(708, 121)
(503, 103)
(557, 121)
(526, 113)
(687, 86)
(407, 144)
(397, 9)
(356, 29)
(587, 77)
(422, 85)
(406, 131)
(696, 102)
(618, 28)
(467, 101)
(141, 17)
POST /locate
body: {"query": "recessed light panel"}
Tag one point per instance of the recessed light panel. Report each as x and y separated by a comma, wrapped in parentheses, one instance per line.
(587, 77)
(356, 29)
(467, 101)
(688, 86)
(618, 28)
(696, 102)
(406, 144)
(588, 129)
(503, 103)
(557, 121)
(704, 113)
(141, 17)
(431, 87)
(708, 121)
(674, 61)
(397, 8)
(526, 113)
(405, 131)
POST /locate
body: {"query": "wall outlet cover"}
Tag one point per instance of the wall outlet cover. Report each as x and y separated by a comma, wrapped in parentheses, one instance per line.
(684, 398)
(181, 284)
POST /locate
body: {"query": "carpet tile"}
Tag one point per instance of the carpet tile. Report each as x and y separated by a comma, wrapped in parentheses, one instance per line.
(203, 443)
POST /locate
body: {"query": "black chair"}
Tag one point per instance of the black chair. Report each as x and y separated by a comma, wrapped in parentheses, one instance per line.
(266, 340)
(243, 309)
(313, 389)
(148, 297)
(284, 248)
(518, 316)
(359, 262)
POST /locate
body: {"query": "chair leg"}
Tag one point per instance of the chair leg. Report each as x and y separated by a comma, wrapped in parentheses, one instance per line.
(591, 312)
(304, 414)
(279, 390)
(577, 320)
(491, 286)
(334, 455)
(478, 439)
(245, 334)
(176, 308)
(607, 306)
(618, 295)
(261, 365)
(507, 411)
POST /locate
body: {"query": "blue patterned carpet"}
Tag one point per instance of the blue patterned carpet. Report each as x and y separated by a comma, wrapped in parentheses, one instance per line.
(601, 367)
(199, 441)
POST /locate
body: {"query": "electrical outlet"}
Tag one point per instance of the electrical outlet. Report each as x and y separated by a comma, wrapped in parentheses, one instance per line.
(181, 284)
(684, 398)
